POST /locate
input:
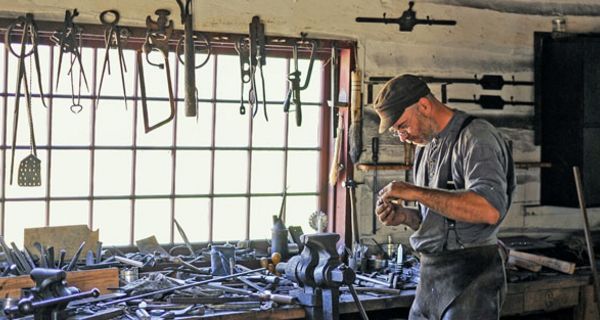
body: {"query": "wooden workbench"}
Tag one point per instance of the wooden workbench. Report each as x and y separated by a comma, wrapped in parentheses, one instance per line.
(544, 295)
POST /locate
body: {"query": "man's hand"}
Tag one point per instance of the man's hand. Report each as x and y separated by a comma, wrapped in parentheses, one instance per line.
(398, 190)
(389, 214)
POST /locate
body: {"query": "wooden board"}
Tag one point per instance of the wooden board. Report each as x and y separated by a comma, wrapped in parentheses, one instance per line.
(62, 237)
(559, 265)
(102, 279)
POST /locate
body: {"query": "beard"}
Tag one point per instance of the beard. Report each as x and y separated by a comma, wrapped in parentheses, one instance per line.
(428, 131)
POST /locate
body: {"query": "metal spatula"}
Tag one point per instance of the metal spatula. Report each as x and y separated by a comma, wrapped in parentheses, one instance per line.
(30, 172)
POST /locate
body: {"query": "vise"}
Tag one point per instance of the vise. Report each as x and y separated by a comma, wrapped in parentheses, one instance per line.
(50, 296)
(319, 272)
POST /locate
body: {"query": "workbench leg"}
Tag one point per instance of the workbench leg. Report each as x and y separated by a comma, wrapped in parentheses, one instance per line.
(587, 308)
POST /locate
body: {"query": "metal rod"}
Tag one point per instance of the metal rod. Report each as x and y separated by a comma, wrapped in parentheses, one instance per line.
(375, 281)
(211, 189)
(359, 305)
(4, 129)
(134, 154)
(185, 286)
(588, 236)
(166, 148)
(93, 141)
(49, 124)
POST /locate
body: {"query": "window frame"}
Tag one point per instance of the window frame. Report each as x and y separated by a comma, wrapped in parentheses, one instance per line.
(221, 44)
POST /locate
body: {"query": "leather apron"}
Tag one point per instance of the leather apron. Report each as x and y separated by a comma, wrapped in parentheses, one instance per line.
(460, 284)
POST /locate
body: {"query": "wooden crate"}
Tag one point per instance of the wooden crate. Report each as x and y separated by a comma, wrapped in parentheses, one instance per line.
(102, 279)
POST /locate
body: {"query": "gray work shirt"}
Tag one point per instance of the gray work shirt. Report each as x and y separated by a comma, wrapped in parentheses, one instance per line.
(481, 162)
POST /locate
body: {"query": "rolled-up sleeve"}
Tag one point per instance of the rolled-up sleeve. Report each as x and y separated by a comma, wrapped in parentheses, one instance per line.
(485, 173)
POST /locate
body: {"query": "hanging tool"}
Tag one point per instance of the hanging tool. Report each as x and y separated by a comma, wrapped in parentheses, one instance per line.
(189, 57)
(375, 160)
(336, 164)
(68, 40)
(487, 81)
(334, 67)
(30, 33)
(157, 38)
(242, 47)
(294, 78)
(588, 236)
(29, 168)
(355, 132)
(491, 101)
(408, 20)
(114, 37)
(258, 58)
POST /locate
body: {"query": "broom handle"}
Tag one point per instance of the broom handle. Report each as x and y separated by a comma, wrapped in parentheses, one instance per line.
(588, 236)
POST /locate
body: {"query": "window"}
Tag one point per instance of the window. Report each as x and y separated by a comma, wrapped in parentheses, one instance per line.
(222, 175)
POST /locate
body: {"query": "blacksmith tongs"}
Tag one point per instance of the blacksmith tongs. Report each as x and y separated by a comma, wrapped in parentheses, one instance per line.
(28, 36)
(113, 35)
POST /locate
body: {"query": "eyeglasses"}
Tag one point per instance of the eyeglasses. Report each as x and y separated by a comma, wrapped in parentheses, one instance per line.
(399, 130)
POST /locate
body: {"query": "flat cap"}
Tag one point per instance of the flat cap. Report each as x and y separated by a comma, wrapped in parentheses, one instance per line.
(396, 95)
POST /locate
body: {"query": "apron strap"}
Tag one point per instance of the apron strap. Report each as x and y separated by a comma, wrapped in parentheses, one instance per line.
(450, 185)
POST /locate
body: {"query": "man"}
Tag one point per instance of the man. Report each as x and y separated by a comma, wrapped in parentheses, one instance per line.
(463, 183)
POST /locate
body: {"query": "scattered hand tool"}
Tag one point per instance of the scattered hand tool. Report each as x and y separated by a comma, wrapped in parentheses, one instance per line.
(75, 257)
(185, 238)
(264, 296)
(408, 20)
(68, 40)
(157, 38)
(294, 78)
(29, 168)
(114, 36)
(491, 101)
(355, 132)
(181, 287)
(588, 236)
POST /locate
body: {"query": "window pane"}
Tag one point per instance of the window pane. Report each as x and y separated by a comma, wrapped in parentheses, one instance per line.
(229, 78)
(111, 84)
(192, 132)
(70, 173)
(40, 120)
(193, 172)
(156, 78)
(303, 171)
(66, 213)
(153, 218)
(69, 128)
(192, 215)
(307, 135)
(112, 218)
(204, 77)
(21, 215)
(298, 210)
(229, 219)
(270, 134)
(112, 174)
(275, 79)
(153, 172)
(267, 171)
(14, 190)
(262, 210)
(231, 127)
(231, 169)
(113, 124)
